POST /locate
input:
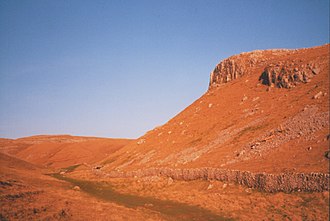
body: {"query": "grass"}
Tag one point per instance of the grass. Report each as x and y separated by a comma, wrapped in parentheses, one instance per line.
(70, 168)
(170, 209)
(195, 141)
(248, 130)
(108, 161)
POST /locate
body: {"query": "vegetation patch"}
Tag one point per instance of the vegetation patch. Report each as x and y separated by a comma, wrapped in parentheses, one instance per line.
(170, 209)
(108, 161)
(70, 168)
(248, 130)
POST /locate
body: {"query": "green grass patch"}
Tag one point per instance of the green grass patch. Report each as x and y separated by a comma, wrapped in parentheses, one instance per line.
(248, 130)
(195, 141)
(108, 161)
(70, 168)
(170, 209)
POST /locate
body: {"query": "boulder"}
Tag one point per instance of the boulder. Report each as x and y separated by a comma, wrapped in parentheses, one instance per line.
(318, 95)
(327, 154)
(77, 188)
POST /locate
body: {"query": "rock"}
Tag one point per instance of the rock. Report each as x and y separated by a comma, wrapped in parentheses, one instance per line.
(253, 147)
(228, 70)
(285, 75)
(244, 98)
(309, 148)
(255, 99)
(141, 141)
(248, 190)
(210, 105)
(63, 172)
(327, 154)
(318, 95)
(307, 182)
(62, 214)
(224, 185)
(282, 74)
(97, 167)
(77, 188)
(240, 153)
(316, 71)
(210, 186)
(170, 181)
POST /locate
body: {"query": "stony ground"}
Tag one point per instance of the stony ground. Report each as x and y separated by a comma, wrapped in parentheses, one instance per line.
(27, 194)
(225, 198)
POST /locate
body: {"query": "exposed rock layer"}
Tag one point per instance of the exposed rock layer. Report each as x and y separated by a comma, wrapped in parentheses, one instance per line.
(280, 72)
(288, 75)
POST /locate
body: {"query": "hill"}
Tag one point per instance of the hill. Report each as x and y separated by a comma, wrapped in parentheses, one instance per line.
(61, 150)
(254, 146)
(264, 111)
(27, 194)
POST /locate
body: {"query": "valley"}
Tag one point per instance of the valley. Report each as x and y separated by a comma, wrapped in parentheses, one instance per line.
(255, 146)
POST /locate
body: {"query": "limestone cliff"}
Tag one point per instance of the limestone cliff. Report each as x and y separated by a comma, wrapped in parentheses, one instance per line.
(276, 69)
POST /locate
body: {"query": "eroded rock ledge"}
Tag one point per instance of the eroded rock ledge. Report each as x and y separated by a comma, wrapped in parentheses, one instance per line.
(238, 65)
(283, 182)
(273, 67)
(288, 75)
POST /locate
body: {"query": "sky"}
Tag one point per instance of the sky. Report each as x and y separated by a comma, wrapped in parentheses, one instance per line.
(119, 68)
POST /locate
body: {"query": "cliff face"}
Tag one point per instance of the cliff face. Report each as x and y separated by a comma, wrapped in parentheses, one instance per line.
(277, 71)
(234, 67)
(288, 75)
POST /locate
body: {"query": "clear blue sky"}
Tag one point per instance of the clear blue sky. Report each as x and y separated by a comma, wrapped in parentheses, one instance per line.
(120, 68)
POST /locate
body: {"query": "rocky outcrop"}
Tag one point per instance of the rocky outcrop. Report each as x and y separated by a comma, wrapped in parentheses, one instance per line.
(285, 182)
(239, 65)
(288, 75)
(229, 69)
(277, 71)
(54, 139)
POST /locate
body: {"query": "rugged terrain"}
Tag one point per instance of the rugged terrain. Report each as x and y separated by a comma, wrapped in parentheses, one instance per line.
(26, 193)
(255, 146)
(265, 111)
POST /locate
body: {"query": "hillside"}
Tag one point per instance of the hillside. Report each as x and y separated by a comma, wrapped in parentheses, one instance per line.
(255, 146)
(264, 111)
(61, 150)
(27, 194)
